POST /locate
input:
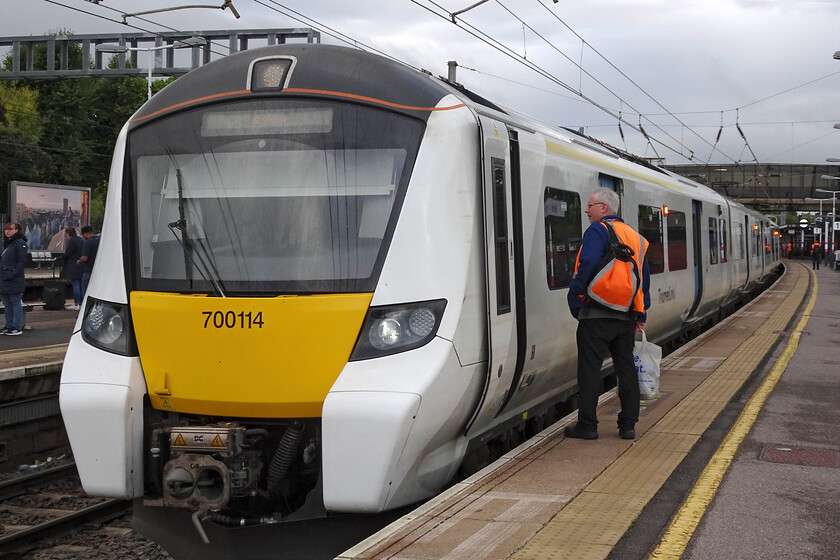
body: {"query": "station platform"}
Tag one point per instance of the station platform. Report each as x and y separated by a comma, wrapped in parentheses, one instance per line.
(738, 456)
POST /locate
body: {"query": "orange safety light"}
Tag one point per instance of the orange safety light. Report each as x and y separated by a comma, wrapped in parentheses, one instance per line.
(665, 210)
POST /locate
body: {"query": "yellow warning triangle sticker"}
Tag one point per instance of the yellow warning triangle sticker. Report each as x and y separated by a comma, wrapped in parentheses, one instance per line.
(179, 440)
(217, 442)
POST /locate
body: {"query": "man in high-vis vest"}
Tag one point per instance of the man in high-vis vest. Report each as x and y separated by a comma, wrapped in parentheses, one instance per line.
(611, 308)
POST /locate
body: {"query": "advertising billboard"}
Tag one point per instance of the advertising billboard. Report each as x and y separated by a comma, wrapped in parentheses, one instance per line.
(43, 211)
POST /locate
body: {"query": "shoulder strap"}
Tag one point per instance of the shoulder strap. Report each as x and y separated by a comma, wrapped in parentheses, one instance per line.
(621, 251)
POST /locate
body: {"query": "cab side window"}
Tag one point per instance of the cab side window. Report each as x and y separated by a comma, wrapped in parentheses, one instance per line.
(650, 226)
(563, 235)
(675, 229)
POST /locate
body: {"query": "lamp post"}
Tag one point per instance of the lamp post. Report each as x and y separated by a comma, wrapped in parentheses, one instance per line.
(833, 203)
(824, 237)
(178, 44)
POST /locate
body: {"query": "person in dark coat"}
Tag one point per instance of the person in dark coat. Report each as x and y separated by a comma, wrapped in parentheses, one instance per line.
(12, 284)
(71, 269)
(607, 327)
(816, 255)
(88, 257)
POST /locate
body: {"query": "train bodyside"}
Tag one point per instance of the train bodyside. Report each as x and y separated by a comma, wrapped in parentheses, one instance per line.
(298, 382)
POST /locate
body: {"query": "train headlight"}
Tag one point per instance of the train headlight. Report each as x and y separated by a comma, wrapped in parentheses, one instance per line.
(106, 326)
(388, 332)
(397, 328)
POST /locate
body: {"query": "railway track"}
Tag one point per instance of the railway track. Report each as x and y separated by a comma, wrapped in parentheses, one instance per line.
(38, 508)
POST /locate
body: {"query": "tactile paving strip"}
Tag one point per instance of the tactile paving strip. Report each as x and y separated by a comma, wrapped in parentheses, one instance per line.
(582, 514)
(589, 526)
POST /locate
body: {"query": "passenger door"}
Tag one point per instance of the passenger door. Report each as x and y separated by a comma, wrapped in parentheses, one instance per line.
(697, 235)
(503, 246)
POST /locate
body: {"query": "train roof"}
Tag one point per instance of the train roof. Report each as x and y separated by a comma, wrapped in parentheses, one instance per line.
(329, 70)
(318, 70)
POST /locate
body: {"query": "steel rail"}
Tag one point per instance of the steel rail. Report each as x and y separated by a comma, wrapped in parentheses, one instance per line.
(24, 540)
(17, 485)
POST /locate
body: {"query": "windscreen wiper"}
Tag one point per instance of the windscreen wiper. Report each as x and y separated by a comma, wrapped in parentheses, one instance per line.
(187, 244)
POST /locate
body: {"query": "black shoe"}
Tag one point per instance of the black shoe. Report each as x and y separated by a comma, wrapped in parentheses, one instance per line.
(627, 433)
(577, 431)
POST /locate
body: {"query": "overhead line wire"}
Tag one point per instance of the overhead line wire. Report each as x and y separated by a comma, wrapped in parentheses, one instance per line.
(157, 33)
(580, 66)
(507, 51)
(344, 38)
(629, 79)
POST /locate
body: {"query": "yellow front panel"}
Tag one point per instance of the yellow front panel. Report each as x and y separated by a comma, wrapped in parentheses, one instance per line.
(250, 357)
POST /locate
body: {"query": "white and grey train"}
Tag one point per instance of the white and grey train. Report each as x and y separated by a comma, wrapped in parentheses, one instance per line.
(327, 280)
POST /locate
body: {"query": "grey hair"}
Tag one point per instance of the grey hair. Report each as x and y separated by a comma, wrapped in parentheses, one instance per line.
(608, 197)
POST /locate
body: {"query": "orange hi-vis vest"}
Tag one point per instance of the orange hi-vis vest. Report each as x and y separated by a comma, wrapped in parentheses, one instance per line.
(617, 285)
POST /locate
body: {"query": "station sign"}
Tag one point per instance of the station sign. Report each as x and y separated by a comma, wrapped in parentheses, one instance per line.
(803, 223)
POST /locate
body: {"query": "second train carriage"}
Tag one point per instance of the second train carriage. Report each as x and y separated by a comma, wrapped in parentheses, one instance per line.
(325, 279)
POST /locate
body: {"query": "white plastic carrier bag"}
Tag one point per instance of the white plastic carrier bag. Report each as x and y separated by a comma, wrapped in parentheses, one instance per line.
(646, 356)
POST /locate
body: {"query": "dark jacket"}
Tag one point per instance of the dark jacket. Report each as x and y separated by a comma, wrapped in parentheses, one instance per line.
(596, 241)
(89, 250)
(12, 264)
(72, 253)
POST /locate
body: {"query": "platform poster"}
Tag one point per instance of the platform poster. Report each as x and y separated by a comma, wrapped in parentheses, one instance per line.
(44, 211)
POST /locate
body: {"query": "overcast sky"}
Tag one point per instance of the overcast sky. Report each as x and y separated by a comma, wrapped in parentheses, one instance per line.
(685, 65)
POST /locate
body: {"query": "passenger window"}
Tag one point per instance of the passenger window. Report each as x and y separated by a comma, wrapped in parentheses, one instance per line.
(500, 232)
(650, 226)
(612, 183)
(675, 230)
(714, 249)
(563, 234)
(724, 250)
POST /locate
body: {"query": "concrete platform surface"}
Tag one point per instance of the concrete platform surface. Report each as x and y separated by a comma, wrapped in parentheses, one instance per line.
(610, 498)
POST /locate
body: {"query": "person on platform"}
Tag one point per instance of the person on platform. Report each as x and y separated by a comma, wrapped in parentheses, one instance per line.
(605, 327)
(71, 270)
(12, 283)
(88, 257)
(816, 255)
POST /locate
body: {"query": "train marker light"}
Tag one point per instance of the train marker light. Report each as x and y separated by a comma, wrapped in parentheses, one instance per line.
(269, 73)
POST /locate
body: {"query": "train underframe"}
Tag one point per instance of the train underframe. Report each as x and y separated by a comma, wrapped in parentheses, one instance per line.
(233, 472)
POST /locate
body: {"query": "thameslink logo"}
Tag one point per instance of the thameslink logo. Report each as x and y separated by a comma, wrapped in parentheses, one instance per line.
(668, 295)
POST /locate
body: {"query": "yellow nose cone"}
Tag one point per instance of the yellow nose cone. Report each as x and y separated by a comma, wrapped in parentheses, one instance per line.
(247, 357)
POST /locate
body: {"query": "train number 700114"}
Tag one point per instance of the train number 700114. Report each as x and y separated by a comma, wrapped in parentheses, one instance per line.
(232, 320)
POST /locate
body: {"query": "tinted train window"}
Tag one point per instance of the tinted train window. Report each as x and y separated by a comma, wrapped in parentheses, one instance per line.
(675, 228)
(267, 196)
(713, 241)
(738, 242)
(650, 226)
(500, 233)
(724, 249)
(563, 234)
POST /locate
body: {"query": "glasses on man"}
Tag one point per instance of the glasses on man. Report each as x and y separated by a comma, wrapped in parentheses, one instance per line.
(591, 204)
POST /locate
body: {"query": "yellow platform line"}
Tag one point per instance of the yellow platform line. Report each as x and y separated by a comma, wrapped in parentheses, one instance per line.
(682, 528)
(590, 525)
(33, 349)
